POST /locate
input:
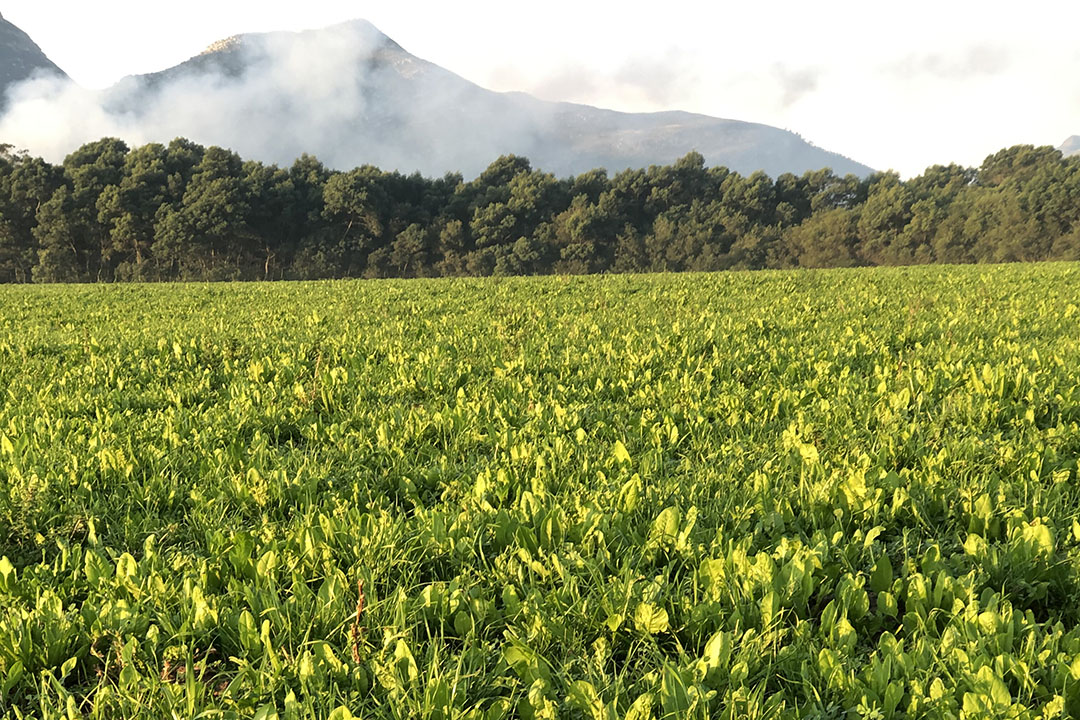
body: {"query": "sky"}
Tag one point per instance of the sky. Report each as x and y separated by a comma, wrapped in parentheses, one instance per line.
(894, 85)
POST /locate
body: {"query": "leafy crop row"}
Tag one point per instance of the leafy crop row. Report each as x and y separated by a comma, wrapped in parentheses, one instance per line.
(837, 494)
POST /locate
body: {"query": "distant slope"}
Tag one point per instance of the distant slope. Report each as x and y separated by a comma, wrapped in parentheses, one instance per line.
(20, 59)
(351, 95)
(1070, 146)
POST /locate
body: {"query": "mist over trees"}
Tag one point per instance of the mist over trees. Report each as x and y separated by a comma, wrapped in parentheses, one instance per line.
(186, 212)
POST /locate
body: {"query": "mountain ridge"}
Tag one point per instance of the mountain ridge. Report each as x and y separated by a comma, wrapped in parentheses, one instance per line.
(20, 59)
(351, 95)
(416, 115)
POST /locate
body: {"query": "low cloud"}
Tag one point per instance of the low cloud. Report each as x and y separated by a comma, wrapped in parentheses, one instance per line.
(795, 83)
(973, 62)
(346, 94)
(660, 82)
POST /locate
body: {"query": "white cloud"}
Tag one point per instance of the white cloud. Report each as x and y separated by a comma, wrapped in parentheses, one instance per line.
(982, 74)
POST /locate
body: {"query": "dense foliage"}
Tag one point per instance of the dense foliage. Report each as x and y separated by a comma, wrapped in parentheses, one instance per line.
(789, 494)
(188, 212)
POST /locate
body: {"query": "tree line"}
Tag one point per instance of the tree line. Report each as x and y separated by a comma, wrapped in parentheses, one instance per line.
(186, 212)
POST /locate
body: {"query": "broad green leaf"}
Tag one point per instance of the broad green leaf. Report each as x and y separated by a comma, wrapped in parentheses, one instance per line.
(630, 494)
(665, 529)
(674, 694)
(650, 619)
(994, 687)
(641, 708)
(584, 697)
(882, 576)
(407, 670)
(718, 650)
(8, 574)
(68, 666)
(266, 712)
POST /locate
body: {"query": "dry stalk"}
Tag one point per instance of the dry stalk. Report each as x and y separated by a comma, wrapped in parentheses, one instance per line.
(356, 634)
(315, 378)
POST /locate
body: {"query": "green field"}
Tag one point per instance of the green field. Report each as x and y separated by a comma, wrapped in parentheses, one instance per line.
(836, 494)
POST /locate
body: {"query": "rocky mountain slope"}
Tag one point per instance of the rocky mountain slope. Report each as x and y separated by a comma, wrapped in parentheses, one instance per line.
(20, 59)
(351, 95)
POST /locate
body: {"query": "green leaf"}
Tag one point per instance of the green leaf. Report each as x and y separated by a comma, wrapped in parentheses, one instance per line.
(651, 619)
(408, 672)
(528, 665)
(249, 634)
(769, 606)
(665, 529)
(266, 712)
(584, 697)
(718, 651)
(96, 568)
(1039, 539)
(8, 574)
(126, 566)
(630, 494)
(306, 666)
(621, 454)
(710, 577)
(674, 696)
(1074, 668)
(641, 709)
(993, 686)
(11, 679)
(882, 576)
(68, 666)
(872, 535)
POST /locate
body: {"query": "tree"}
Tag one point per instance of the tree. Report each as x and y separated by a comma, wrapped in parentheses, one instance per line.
(584, 235)
(205, 237)
(516, 211)
(826, 239)
(61, 258)
(275, 216)
(630, 253)
(28, 184)
(882, 220)
(184, 211)
(1016, 164)
(410, 253)
(357, 208)
(92, 169)
(127, 211)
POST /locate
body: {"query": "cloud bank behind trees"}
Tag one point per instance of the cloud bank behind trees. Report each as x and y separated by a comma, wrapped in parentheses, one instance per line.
(351, 96)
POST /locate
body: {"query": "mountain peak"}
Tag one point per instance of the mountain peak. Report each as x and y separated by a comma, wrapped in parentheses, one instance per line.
(359, 30)
(351, 95)
(1071, 146)
(223, 45)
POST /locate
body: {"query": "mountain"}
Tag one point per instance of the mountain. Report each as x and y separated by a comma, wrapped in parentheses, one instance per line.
(1071, 146)
(20, 59)
(350, 95)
